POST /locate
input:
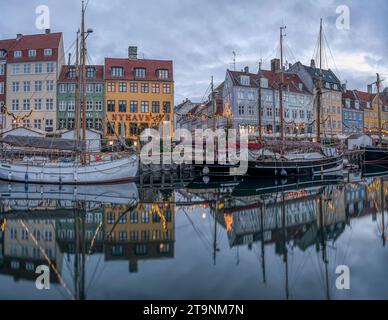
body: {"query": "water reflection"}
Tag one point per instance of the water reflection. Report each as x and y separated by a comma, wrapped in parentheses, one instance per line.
(85, 234)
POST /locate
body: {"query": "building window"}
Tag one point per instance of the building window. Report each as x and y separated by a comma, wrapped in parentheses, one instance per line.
(50, 85)
(133, 107)
(133, 131)
(50, 104)
(38, 68)
(90, 88)
(72, 73)
(111, 87)
(70, 124)
(71, 105)
(26, 123)
(140, 72)
(155, 106)
(241, 110)
(122, 87)
(144, 106)
(15, 69)
(49, 125)
(166, 107)
(38, 104)
(110, 127)
(15, 86)
(62, 106)
(48, 52)
(15, 105)
(26, 86)
(2, 69)
(32, 53)
(89, 123)
(62, 88)
(71, 87)
(98, 105)
(117, 71)
(90, 72)
(155, 88)
(111, 106)
(123, 236)
(122, 106)
(250, 110)
(50, 67)
(38, 86)
(26, 105)
(27, 68)
(1, 87)
(163, 74)
(17, 54)
(133, 87)
(98, 88)
(144, 87)
(89, 105)
(166, 88)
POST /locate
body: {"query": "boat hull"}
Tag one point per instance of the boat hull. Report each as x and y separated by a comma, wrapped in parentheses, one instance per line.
(124, 169)
(295, 168)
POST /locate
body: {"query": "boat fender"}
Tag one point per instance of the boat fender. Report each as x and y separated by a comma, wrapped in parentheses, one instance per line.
(276, 172)
(283, 173)
(206, 171)
(10, 176)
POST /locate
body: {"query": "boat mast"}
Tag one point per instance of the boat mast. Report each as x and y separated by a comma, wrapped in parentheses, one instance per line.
(259, 102)
(281, 86)
(378, 81)
(319, 91)
(83, 73)
(77, 106)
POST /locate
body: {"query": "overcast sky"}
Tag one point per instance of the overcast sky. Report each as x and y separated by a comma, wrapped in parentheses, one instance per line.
(200, 35)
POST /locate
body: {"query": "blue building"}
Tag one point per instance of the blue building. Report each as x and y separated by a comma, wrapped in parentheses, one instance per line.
(352, 113)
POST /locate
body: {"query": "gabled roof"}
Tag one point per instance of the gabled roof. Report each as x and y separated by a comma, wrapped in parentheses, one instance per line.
(327, 74)
(129, 65)
(64, 75)
(291, 81)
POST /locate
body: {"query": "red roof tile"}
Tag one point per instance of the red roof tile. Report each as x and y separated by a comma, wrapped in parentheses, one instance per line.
(129, 66)
(291, 80)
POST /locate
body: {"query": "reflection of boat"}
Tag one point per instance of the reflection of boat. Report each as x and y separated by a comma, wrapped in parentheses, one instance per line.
(251, 187)
(33, 193)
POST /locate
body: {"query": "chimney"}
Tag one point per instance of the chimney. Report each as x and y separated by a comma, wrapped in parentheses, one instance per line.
(19, 36)
(246, 69)
(370, 90)
(132, 53)
(275, 64)
(312, 63)
(47, 31)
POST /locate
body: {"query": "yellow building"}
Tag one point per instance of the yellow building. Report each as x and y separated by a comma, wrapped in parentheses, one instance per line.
(139, 94)
(370, 104)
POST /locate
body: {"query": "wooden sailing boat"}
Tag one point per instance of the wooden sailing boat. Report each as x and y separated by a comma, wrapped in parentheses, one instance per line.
(86, 168)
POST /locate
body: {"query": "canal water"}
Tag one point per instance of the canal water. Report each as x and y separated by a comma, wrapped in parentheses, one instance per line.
(196, 239)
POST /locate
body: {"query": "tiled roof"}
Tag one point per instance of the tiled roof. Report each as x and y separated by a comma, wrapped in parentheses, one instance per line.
(39, 42)
(65, 71)
(327, 75)
(291, 81)
(129, 66)
(6, 44)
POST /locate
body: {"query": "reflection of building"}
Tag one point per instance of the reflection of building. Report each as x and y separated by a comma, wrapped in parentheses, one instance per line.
(144, 232)
(94, 233)
(28, 244)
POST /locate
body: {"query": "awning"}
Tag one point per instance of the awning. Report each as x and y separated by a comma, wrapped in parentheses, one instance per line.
(43, 143)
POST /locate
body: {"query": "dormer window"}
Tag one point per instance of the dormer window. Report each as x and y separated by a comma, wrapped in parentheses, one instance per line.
(90, 72)
(117, 71)
(140, 72)
(244, 80)
(2, 53)
(48, 52)
(368, 105)
(17, 54)
(32, 53)
(72, 73)
(300, 86)
(264, 82)
(163, 74)
(347, 103)
(357, 104)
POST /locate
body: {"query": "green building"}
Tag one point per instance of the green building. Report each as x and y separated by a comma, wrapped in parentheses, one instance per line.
(94, 97)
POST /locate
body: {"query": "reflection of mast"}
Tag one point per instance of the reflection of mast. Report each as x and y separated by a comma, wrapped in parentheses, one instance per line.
(215, 232)
(262, 243)
(323, 243)
(382, 210)
(285, 254)
(80, 251)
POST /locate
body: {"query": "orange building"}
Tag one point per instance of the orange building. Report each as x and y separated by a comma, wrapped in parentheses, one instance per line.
(139, 94)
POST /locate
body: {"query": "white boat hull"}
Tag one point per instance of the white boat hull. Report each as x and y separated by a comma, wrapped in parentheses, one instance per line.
(124, 169)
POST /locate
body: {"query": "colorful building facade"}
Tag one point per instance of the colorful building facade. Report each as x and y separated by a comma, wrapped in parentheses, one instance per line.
(33, 66)
(94, 97)
(139, 94)
(352, 113)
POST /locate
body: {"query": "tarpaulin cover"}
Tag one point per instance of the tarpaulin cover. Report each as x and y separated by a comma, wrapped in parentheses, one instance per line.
(43, 143)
